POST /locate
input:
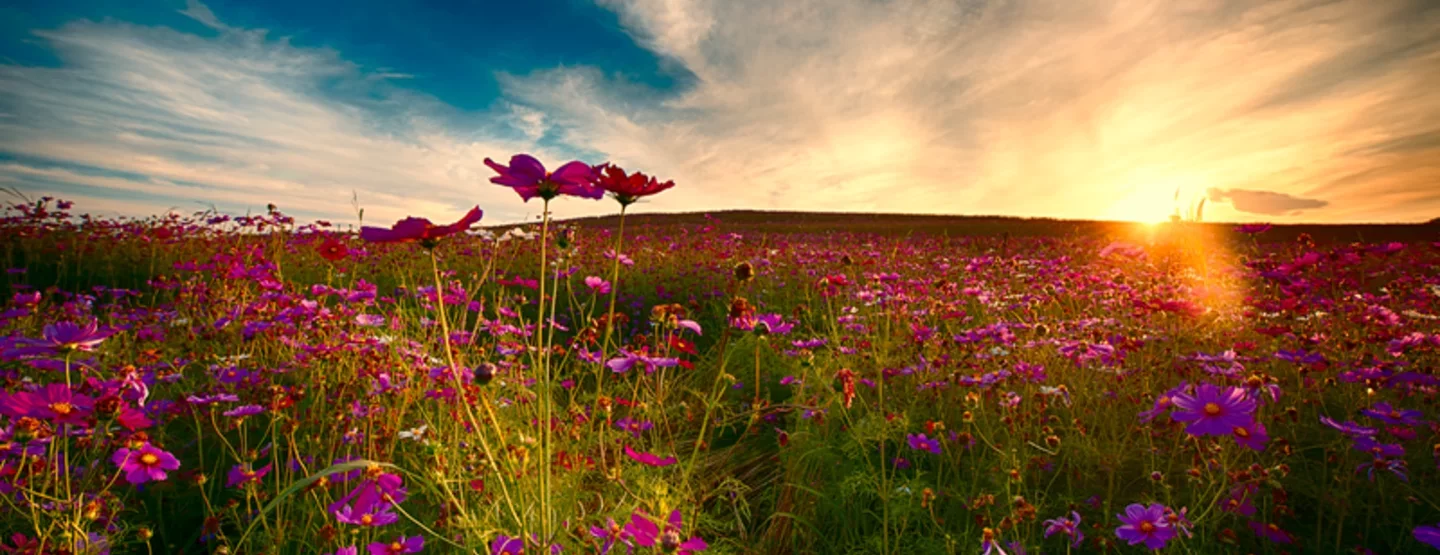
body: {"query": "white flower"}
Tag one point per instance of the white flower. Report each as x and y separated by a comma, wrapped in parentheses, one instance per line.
(417, 434)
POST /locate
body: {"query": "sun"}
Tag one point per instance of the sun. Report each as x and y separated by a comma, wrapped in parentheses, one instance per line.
(1148, 206)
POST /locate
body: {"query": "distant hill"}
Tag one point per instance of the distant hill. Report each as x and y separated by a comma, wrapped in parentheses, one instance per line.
(994, 226)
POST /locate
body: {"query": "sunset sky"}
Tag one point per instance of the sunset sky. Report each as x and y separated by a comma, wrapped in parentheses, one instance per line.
(1279, 111)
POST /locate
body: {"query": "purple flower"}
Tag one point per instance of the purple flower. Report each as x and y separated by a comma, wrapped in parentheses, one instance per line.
(627, 360)
(242, 474)
(1390, 415)
(1067, 526)
(400, 546)
(1253, 436)
(1428, 535)
(506, 545)
(1270, 532)
(919, 442)
(1349, 428)
(377, 485)
(527, 176)
(1377, 449)
(764, 324)
(1145, 525)
(148, 463)
(1214, 411)
(244, 410)
(419, 229)
(60, 337)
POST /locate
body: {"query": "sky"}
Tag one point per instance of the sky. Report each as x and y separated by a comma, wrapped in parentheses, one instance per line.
(1279, 111)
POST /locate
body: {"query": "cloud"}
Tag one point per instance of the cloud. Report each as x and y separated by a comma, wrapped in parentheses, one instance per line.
(1269, 203)
(1060, 108)
(158, 118)
(1064, 108)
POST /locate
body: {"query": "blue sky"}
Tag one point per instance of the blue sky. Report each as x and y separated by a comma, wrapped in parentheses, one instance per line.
(1280, 111)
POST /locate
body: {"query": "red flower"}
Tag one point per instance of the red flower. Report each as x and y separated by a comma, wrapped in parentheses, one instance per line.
(418, 229)
(333, 250)
(628, 188)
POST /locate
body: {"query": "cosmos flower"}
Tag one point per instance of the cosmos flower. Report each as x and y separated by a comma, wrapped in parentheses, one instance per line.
(609, 534)
(506, 545)
(241, 474)
(764, 324)
(1271, 532)
(1253, 436)
(598, 285)
(399, 546)
(1390, 415)
(646, 533)
(649, 459)
(1213, 410)
(1428, 535)
(919, 442)
(148, 463)
(419, 229)
(61, 337)
(1145, 525)
(55, 402)
(626, 189)
(527, 176)
(1067, 526)
(333, 250)
(1349, 428)
(628, 360)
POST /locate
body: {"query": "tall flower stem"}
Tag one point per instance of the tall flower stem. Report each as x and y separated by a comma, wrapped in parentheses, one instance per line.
(610, 322)
(543, 359)
(460, 389)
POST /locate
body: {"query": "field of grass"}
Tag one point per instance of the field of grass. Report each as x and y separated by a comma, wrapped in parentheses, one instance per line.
(728, 383)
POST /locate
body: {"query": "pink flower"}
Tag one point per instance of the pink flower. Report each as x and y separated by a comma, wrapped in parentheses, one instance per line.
(401, 545)
(597, 285)
(649, 459)
(419, 229)
(646, 533)
(148, 463)
(527, 176)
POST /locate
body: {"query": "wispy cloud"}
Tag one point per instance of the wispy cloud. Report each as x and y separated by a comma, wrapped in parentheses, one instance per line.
(1070, 108)
(1040, 107)
(160, 118)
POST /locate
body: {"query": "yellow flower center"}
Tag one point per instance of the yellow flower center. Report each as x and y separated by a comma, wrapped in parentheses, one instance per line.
(1242, 433)
(1212, 409)
(62, 409)
(1146, 527)
(149, 459)
(367, 519)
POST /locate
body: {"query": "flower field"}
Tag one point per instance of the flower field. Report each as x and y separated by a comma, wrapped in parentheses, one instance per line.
(218, 384)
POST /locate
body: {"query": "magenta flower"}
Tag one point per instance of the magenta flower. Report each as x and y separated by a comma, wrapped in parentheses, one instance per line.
(242, 474)
(1253, 436)
(148, 463)
(56, 402)
(527, 176)
(400, 546)
(1270, 532)
(376, 485)
(646, 533)
(597, 285)
(506, 545)
(419, 229)
(763, 324)
(1428, 535)
(628, 360)
(919, 442)
(1349, 427)
(1214, 411)
(608, 534)
(1145, 525)
(61, 337)
(1067, 526)
(649, 459)
(1391, 415)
